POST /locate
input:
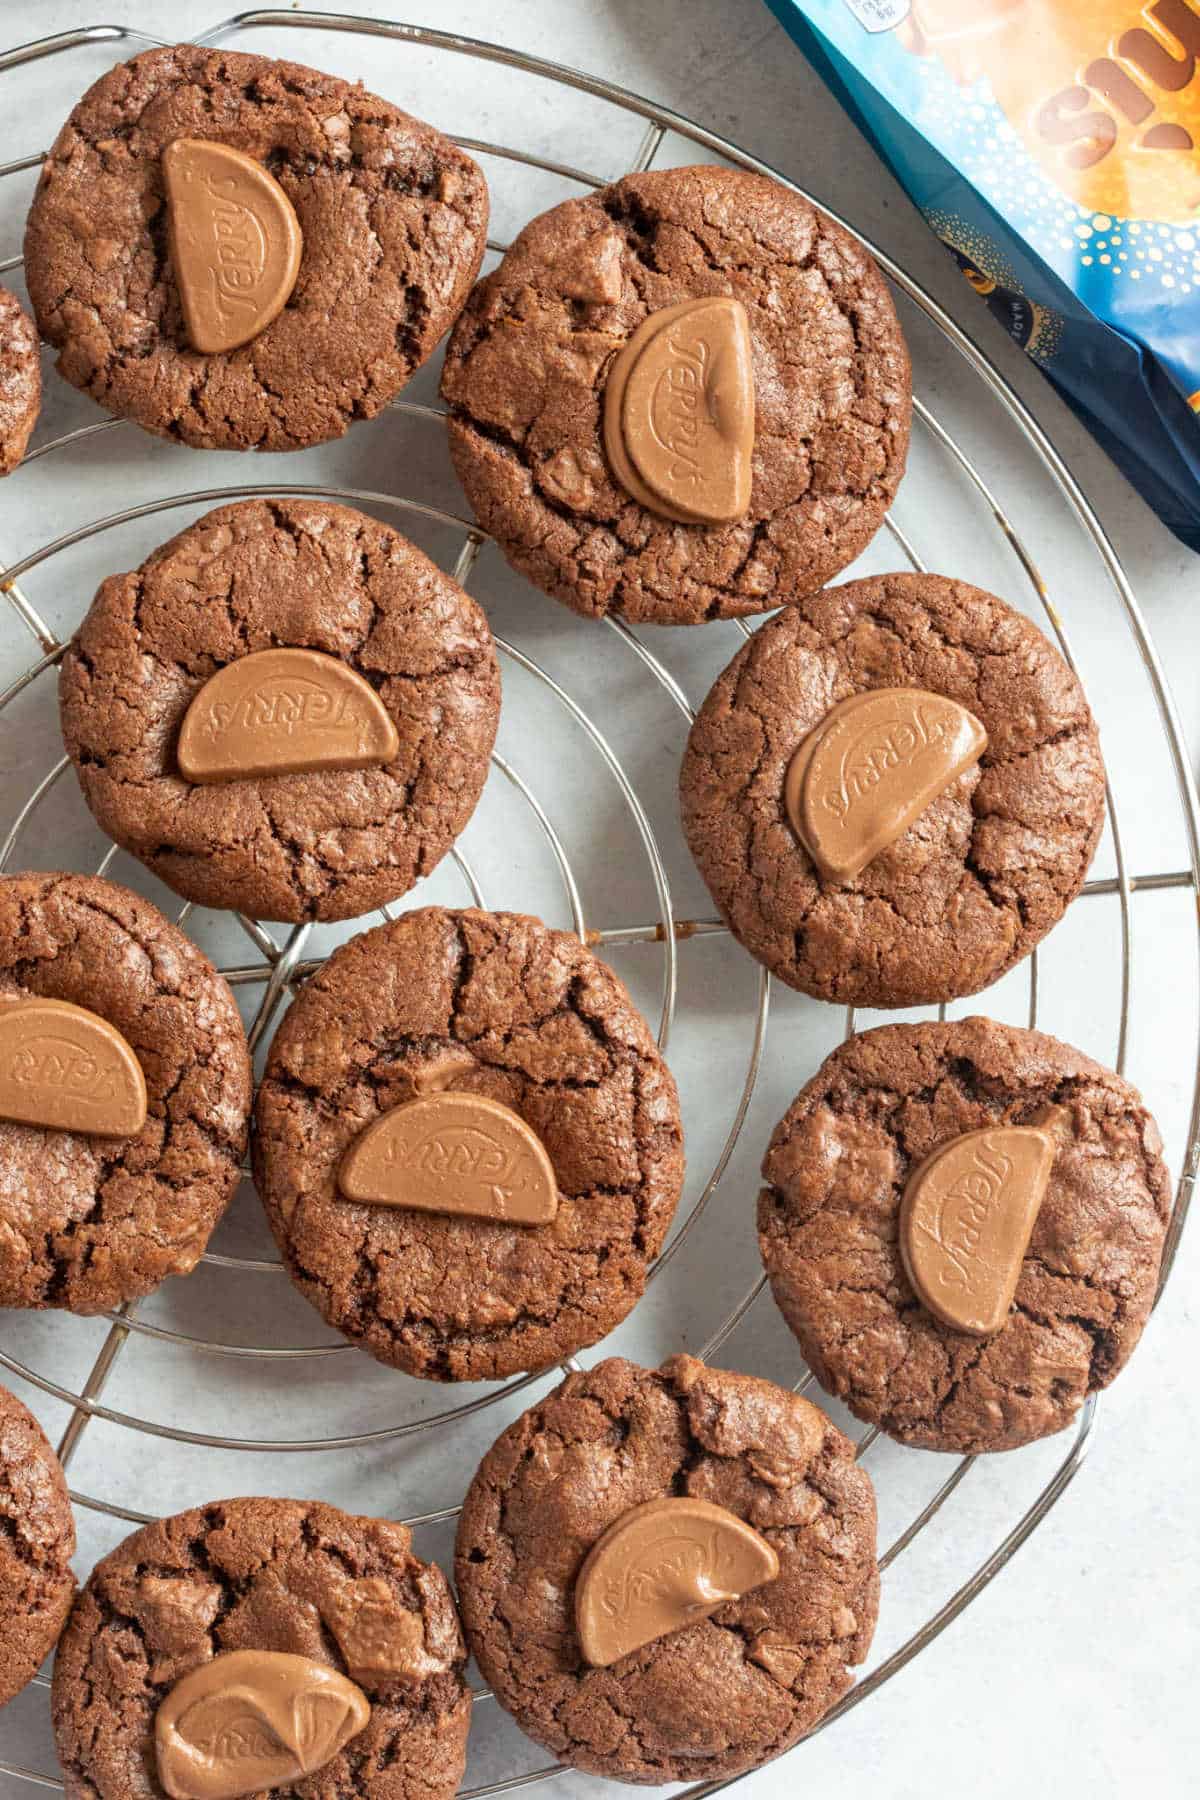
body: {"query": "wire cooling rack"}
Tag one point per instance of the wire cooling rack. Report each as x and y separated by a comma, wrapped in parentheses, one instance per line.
(170, 1439)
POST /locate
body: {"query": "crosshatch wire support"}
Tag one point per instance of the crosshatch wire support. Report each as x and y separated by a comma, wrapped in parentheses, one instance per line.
(280, 968)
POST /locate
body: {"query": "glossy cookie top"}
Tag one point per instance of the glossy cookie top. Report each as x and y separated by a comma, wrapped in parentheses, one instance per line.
(36, 1546)
(143, 1114)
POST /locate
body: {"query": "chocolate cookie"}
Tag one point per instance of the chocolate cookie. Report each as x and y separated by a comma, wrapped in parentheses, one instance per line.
(829, 1230)
(37, 1542)
(259, 1580)
(989, 865)
(88, 1220)
(715, 1697)
(498, 1007)
(825, 399)
(20, 380)
(391, 215)
(326, 842)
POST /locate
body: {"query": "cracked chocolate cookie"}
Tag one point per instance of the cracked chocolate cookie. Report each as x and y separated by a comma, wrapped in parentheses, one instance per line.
(87, 1221)
(289, 838)
(991, 862)
(392, 218)
(37, 1542)
(494, 1006)
(717, 1696)
(20, 380)
(261, 1580)
(829, 1230)
(531, 358)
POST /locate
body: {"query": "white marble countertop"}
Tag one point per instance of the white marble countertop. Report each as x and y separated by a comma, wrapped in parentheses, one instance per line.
(1074, 1672)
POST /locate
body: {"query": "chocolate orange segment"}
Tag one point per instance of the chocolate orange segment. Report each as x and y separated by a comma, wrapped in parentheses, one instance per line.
(797, 769)
(461, 1154)
(235, 242)
(253, 1719)
(966, 1219)
(66, 1069)
(660, 1567)
(679, 412)
(871, 768)
(284, 712)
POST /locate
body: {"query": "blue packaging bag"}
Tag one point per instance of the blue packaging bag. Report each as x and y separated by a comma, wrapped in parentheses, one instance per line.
(1054, 146)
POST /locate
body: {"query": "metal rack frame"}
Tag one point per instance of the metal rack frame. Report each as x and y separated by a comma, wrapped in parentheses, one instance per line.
(279, 968)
